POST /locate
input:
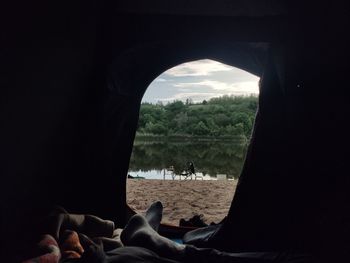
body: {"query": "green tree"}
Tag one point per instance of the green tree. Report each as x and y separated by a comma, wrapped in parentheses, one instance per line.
(156, 128)
(181, 120)
(222, 116)
(201, 129)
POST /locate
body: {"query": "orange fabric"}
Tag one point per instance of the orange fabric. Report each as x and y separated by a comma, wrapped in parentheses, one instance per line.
(70, 245)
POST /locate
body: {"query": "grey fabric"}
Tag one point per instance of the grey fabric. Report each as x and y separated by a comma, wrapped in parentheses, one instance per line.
(192, 255)
(208, 255)
(135, 255)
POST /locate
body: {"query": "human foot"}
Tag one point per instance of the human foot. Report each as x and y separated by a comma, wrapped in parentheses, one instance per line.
(154, 215)
(138, 232)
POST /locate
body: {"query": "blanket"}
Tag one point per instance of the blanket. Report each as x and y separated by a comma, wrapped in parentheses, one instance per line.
(73, 236)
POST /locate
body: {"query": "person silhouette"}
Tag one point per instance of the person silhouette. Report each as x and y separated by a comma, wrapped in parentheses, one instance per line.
(191, 168)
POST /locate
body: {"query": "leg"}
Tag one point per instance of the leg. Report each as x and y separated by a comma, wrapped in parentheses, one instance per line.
(139, 233)
(154, 215)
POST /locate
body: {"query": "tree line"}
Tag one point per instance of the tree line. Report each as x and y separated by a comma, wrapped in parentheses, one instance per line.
(226, 116)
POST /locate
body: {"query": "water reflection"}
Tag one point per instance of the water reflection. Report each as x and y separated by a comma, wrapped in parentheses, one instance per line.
(149, 158)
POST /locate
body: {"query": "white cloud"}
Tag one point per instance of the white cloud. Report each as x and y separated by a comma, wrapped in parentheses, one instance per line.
(199, 80)
(238, 88)
(160, 80)
(204, 67)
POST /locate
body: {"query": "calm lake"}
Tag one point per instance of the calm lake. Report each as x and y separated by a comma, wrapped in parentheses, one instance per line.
(151, 158)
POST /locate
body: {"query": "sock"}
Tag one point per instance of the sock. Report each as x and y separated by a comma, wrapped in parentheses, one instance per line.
(154, 215)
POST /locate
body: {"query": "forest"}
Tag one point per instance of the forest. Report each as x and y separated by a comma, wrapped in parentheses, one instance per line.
(221, 117)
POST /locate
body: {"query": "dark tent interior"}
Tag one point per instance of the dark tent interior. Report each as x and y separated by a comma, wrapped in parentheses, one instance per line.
(72, 79)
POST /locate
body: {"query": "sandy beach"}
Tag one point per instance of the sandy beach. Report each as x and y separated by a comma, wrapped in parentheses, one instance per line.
(183, 199)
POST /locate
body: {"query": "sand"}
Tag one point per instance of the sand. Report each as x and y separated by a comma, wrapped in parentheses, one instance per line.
(183, 199)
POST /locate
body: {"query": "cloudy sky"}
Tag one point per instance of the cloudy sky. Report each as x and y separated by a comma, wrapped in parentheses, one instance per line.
(200, 80)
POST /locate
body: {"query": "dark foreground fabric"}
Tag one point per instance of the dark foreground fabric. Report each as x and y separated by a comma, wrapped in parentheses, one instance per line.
(208, 255)
(200, 236)
(122, 255)
(192, 255)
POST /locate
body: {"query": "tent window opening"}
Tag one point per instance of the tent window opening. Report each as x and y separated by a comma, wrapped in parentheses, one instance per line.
(194, 127)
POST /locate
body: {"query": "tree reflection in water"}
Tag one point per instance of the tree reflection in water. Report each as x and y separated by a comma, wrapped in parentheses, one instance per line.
(209, 158)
